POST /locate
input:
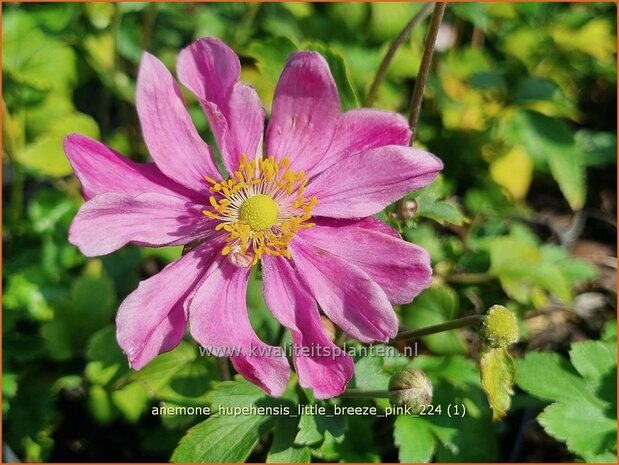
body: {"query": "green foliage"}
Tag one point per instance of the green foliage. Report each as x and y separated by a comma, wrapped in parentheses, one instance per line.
(436, 305)
(520, 107)
(584, 396)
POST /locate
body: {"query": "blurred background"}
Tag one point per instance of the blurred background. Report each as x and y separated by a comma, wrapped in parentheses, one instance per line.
(521, 106)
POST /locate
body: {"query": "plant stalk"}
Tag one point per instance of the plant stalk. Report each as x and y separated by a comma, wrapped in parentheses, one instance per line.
(471, 320)
(424, 68)
(393, 48)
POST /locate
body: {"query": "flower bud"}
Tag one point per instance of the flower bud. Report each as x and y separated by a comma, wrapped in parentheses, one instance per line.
(411, 388)
(500, 328)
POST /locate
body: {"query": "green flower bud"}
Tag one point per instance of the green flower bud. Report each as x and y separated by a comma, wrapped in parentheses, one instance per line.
(411, 388)
(500, 328)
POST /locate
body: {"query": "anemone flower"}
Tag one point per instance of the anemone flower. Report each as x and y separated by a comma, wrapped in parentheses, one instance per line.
(302, 209)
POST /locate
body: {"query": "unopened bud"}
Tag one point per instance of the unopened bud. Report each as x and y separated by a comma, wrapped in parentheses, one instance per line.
(328, 327)
(411, 388)
(500, 328)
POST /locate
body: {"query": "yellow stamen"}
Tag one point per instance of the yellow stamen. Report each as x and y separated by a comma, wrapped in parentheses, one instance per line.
(261, 207)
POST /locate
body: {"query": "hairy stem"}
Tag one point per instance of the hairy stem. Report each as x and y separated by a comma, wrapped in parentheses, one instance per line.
(393, 48)
(471, 320)
(424, 68)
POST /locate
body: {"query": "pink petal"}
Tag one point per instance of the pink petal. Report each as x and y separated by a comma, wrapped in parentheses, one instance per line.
(169, 133)
(361, 130)
(305, 112)
(363, 185)
(402, 269)
(220, 323)
(109, 221)
(348, 296)
(211, 70)
(151, 320)
(101, 169)
(320, 364)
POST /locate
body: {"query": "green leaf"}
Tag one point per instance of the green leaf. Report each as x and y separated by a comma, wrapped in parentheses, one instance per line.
(341, 74)
(227, 438)
(181, 376)
(551, 140)
(442, 211)
(584, 415)
(283, 449)
(131, 401)
(46, 155)
(594, 360)
(312, 428)
(584, 427)
(370, 374)
(90, 309)
(497, 378)
(106, 360)
(598, 148)
(523, 268)
(237, 393)
(413, 436)
(33, 58)
(434, 306)
(221, 439)
(550, 377)
(358, 442)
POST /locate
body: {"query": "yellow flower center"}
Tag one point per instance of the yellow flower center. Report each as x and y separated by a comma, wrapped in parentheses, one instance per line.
(260, 212)
(261, 207)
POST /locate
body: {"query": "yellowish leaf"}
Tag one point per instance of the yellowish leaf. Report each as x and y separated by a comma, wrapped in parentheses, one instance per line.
(498, 374)
(513, 172)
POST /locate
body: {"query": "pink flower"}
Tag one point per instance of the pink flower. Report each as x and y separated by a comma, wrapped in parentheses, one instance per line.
(303, 211)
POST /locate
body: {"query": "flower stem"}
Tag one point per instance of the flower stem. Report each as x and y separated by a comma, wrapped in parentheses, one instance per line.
(424, 68)
(360, 393)
(471, 320)
(393, 48)
(224, 369)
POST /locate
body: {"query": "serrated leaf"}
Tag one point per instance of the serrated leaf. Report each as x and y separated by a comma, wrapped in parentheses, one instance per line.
(550, 377)
(227, 438)
(584, 427)
(593, 360)
(413, 436)
(497, 378)
(221, 439)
